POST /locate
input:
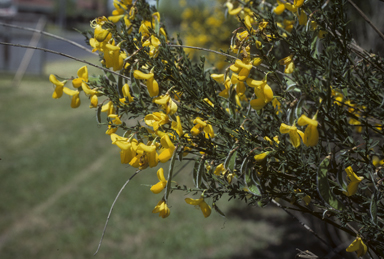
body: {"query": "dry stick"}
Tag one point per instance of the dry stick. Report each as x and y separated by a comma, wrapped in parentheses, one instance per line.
(48, 34)
(110, 211)
(366, 19)
(64, 55)
(302, 223)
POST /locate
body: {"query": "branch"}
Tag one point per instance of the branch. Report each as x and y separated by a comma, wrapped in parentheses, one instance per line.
(110, 211)
(64, 55)
(366, 19)
(48, 34)
(302, 223)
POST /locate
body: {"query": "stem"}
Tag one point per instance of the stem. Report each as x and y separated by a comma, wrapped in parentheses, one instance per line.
(48, 34)
(366, 19)
(110, 211)
(64, 55)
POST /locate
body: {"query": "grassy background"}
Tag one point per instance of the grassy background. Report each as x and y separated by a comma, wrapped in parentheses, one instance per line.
(60, 174)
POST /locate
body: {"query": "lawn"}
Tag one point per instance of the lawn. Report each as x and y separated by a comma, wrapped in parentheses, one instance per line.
(60, 175)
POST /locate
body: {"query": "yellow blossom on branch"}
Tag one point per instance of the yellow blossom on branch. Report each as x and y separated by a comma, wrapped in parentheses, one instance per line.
(357, 246)
(205, 208)
(157, 188)
(294, 134)
(353, 181)
(311, 134)
(162, 209)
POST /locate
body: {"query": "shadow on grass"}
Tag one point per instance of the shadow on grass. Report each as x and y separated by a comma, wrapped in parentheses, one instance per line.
(292, 236)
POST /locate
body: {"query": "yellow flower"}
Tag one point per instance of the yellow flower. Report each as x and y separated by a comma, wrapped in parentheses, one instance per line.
(200, 126)
(262, 156)
(168, 149)
(109, 108)
(126, 93)
(152, 85)
(353, 181)
(218, 78)
(59, 86)
(91, 93)
(75, 102)
(298, 3)
(357, 246)
(294, 134)
(205, 208)
(377, 162)
(169, 106)
(176, 126)
(279, 9)
(82, 75)
(153, 43)
(311, 134)
(303, 17)
(162, 209)
(219, 169)
(156, 119)
(288, 63)
(128, 147)
(157, 188)
(145, 156)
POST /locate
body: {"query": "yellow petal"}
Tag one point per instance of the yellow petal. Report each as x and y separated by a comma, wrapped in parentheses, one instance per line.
(279, 9)
(160, 175)
(268, 93)
(218, 77)
(58, 92)
(258, 103)
(304, 120)
(153, 87)
(157, 188)
(56, 82)
(194, 201)
(205, 208)
(140, 75)
(311, 136)
(298, 3)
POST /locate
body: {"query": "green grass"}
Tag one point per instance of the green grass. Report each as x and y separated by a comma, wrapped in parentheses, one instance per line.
(60, 174)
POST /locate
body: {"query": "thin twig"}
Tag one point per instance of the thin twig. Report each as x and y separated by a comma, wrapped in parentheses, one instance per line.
(48, 34)
(65, 55)
(110, 211)
(302, 223)
(366, 19)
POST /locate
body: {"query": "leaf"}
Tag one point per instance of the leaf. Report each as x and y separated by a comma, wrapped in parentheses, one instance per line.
(299, 107)
(198, 171)
(373, 208)
(98, 114)
(170, 174)
(323, 186)
(229, 162)
(120, 84)
(218, 210)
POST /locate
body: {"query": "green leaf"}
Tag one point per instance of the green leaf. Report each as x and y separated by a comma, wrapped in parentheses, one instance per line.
(323, 186)
(218, 210)
(229, 162)
(373, 208)
(199, 172)
(170, 174)
(299, 107)
(98, 114)
(120, 84)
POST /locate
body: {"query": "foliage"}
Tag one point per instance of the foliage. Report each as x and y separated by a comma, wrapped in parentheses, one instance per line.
(296, 116)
